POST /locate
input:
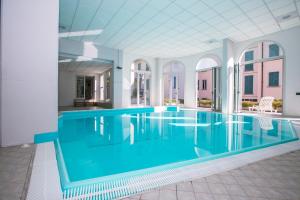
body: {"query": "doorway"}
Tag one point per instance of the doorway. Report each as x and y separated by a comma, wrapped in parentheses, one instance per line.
(84, 83)
(208, 78)
(174, 77)
(89, 87)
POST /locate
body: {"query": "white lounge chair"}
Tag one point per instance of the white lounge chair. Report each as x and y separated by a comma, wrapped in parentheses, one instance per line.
(265, 104)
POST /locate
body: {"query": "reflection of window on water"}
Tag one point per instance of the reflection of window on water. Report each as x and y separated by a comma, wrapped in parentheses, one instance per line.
(248, 123)
(274, 131)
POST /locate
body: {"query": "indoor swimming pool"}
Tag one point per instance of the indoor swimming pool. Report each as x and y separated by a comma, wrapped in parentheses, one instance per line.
(113, 145)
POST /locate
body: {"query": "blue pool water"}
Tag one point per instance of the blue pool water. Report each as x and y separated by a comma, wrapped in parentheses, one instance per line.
(103, 143)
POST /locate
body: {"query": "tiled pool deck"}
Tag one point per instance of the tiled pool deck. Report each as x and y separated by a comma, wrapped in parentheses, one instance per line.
(15, 171)
(274, 178)
(277, 178)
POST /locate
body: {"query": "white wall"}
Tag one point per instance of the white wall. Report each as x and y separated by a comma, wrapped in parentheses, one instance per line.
(190, 63)
(29, 69)
(290, 42)
(0, 70)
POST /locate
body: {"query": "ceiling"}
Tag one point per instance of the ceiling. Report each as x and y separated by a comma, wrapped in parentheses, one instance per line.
(82, 66)
(173, 28)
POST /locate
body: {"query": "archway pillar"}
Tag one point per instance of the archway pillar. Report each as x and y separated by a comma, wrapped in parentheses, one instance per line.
(158, 82)
(227, 77)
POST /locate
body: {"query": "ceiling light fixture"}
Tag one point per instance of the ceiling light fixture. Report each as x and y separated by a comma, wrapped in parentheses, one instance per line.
(287, 16)
(80, 33)
(211, 41)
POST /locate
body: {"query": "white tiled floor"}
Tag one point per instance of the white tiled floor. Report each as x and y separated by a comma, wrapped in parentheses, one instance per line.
(15, 170)
(277, 178)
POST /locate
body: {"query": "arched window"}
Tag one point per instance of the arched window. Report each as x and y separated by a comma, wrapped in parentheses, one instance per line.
(260, 75)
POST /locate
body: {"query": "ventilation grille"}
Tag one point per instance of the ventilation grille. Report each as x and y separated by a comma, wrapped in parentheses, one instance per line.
(126, 187)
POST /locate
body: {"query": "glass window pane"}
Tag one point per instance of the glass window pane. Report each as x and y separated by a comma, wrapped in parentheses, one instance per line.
(174, 82)
(204, 84)
(248, 84)
(273, 50)
(273, 79)
(249, 56)
(249, 67)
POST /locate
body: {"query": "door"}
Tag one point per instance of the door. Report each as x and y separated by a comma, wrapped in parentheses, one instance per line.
(89, 87)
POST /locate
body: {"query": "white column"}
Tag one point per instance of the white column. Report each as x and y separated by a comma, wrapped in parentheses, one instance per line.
(97, 87)
(117, 81)
(158, 83)
(29, 65)
(227, 76)
(190, 86)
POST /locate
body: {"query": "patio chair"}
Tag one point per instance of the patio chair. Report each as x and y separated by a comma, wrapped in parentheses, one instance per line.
(265, 104)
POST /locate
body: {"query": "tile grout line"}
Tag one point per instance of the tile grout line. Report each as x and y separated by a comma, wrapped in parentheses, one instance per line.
(28, 175)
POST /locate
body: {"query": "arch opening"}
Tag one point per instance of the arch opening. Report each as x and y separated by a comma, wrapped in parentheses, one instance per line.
(140, 83)
(174, 80)
(208, 83)
(259, 76)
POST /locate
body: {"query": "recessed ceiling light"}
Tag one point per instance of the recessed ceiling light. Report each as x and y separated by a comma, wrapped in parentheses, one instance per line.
(211, 41)
(287, 16)
(80, 33)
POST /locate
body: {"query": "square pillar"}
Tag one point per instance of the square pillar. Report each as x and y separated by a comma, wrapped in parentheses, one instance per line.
(29, 66)
(227, 77)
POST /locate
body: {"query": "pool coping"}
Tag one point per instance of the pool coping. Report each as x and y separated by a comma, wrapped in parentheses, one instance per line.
(45, 180)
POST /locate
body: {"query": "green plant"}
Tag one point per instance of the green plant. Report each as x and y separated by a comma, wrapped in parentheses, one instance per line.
(169, 101)
(204, 102)
(277, 103)
(246, 104)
